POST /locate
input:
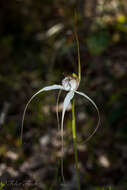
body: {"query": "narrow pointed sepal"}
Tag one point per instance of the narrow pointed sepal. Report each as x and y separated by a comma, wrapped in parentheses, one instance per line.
(93, 103)
(47, 88)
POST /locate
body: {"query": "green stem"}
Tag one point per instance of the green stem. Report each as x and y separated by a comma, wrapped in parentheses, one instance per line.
(79, 63)
(75, 142)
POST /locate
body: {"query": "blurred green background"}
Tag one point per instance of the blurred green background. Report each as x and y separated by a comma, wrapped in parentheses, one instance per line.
(37, 49)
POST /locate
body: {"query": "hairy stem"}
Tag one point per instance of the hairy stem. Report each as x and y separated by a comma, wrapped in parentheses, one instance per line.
(75, 142)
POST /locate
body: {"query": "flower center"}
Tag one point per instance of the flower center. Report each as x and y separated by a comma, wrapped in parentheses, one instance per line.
(70, 83)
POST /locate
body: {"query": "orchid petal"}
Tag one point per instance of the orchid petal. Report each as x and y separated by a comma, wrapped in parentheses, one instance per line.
(47, 88)
(98, 123)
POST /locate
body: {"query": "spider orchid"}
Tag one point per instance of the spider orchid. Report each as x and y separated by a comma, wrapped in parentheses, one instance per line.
(70, 85)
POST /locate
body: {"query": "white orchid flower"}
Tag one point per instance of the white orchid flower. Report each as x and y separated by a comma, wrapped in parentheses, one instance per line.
(70, 85)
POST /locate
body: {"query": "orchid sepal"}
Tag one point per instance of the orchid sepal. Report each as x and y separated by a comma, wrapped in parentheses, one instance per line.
(47, 88)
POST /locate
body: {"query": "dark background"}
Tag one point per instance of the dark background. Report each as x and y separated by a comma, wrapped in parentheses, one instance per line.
(37, 49)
